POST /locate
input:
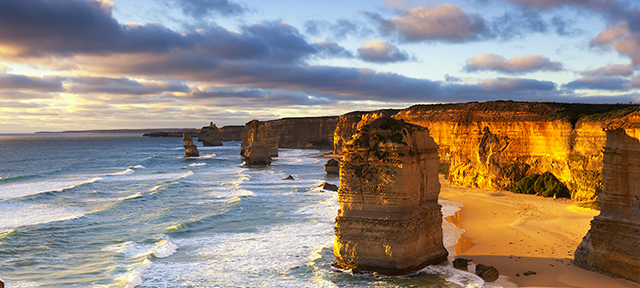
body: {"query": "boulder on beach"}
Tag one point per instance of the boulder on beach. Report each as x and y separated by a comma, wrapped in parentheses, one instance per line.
(332, 167)
(210, 135)
(461, 263)
(487, 273)
(190, 150)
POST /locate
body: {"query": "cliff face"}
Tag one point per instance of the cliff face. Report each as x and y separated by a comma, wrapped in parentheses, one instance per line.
(492, 145)
(611, 245)
(210, 136)
(256, 131)
(389, 220)
(309, 133)
(231, 133)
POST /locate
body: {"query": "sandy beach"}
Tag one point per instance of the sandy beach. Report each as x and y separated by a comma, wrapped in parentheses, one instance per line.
(517, 233)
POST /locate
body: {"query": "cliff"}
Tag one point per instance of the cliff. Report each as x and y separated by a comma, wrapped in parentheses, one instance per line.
(231, 133)
(389, 220)
(256, 131)
(611, 245)
(494, 144)
(307, 132)
(210, 135)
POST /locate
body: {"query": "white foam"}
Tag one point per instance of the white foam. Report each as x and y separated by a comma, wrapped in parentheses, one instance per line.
(14, 215)
(133, 277)
(161, 249)
(12, 191)
(133, 196)
(138, 167)
(458, 277)
(449, 208)
(20, 284)
(197, 164)
(127, 171)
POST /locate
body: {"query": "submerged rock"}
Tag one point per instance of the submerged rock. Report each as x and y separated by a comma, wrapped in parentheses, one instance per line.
(190, 150)
(488, 273)
(210, 135)
(389, 220)
(1, 284)
(288, 178)
(332, 167)
(328, 186)
(611, 245)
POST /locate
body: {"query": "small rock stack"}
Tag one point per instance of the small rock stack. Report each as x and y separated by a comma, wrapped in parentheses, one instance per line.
(190, 150)
(258, 144)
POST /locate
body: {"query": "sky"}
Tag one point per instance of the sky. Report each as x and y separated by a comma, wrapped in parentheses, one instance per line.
(116, 64)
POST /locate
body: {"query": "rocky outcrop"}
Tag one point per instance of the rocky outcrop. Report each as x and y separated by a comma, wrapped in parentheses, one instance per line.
(190, 150)
(256, 131)
(493, 145)
(349, 123)
(332, 167)
(210, 135)
(611, 245)
(487, 273)
(257, 154)
(231, 133)
(389, 220)
(307, 132)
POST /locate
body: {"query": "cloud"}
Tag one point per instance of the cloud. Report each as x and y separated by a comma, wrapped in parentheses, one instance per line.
(202, 8)
(517, 84)
(446, 22)
(599, 83)
(340, 29)
(635, 82)
(381, 52)
(623, 40)
(546, 4)
(121, 86)
(449, 78)
(247, 96)
(29, 83)
(515, 65)
(610, 70)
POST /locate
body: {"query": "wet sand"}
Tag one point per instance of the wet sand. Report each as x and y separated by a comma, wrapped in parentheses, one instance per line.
(517, 233)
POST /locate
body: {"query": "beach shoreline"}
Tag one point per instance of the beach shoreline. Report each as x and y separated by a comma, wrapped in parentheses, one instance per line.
(517, 233)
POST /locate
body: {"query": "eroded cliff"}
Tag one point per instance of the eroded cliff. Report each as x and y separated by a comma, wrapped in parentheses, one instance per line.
(494, 144)
(611, 245)
(210, 135)
(389, 220)
(307, 132)
(231, 133)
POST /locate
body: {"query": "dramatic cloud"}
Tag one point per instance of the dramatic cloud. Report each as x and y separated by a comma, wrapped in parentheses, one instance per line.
(238, 96)
(122, 86)
(515, 65)
(381, 52)
(446, 22)
(28, 83)
(623, 40)
(599, 83)
(610, 70)
(201, 8)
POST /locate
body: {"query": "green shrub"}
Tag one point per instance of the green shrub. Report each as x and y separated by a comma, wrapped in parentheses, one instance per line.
(546, 184)
(444, 169)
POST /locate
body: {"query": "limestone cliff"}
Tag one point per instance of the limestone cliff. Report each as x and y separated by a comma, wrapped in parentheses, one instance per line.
(494, 144)
(231, 133)
(389, 220)
(307, 132)
(190, 150)
(256, 131)
(210, 135)
(611, 245)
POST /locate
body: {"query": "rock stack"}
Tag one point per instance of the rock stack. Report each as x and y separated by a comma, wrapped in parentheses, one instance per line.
(190, 150)
(611, 245)
(256, 130)
(389, 220)
(210, 135)
(258, 144)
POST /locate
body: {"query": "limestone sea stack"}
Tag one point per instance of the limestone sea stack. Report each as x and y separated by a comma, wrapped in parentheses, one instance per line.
(611, 245)
(255, 130)
(210, 135)
(190, 150)
(389, 220)
(332, 167)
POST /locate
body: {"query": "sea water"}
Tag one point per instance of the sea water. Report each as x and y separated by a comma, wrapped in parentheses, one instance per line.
(95, 210)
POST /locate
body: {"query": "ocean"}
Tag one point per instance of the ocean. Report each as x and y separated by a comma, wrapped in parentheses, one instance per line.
(98, 210)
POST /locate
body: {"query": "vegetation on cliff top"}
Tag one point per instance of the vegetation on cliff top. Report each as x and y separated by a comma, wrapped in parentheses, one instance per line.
(522, 111)
(546, 184)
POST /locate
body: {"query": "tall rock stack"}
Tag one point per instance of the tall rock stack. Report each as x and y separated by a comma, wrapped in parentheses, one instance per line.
(190, 150)
(210, 135)
(389, 220)
(257, 145)
(612, 246)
